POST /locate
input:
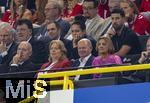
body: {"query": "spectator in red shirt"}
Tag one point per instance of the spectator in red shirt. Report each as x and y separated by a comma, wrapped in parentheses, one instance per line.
(17, 8)
(77, 10)
(103, 8)
(145, 6)
(138, 22)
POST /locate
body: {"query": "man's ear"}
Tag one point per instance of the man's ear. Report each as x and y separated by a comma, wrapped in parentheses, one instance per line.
(30, 53)
(83, 32)
(31, 31)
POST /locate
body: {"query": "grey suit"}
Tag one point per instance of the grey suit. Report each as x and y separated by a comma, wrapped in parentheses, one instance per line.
(94, 26)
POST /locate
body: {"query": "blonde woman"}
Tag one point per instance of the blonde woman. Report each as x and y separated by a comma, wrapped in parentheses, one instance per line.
(105, 50)
(105, 56)
(57, 56)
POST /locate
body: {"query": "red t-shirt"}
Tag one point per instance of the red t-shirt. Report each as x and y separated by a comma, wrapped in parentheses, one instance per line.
(145, 6)
(77, 10)
(103, 10)
(141, 25)
(148, 31)
(65, 12)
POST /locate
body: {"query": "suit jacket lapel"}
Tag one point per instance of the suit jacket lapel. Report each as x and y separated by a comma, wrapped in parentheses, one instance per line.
(89, 62)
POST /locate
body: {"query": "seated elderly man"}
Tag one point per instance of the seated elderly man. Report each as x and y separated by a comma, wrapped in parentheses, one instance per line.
(21, 61)
(86, 58)
(8, 46)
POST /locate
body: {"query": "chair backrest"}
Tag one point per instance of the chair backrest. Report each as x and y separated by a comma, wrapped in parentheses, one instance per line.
(143, 40)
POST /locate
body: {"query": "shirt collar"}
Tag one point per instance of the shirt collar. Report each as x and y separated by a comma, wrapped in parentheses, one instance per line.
(58, 19)
(8, 47)
(29, 39)
(85, 59)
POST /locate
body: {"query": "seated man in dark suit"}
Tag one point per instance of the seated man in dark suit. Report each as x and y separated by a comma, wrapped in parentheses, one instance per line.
(21, 61)
(54, 33)
(86, 58)
(24, 32)
(8, 47)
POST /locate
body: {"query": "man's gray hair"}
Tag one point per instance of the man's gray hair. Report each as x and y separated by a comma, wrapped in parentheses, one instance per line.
(87, 41)
(7, 26)
(57, 5)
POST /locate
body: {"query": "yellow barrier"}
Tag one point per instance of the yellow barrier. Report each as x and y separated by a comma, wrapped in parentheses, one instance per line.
(68, 84)
(61, 82)
(97, 70)
(28, 100)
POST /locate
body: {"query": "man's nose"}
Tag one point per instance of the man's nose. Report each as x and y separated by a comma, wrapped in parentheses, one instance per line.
(74, 34)
(114, 20)
(3, 38)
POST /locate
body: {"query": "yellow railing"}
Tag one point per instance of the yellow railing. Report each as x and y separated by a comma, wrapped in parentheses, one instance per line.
(66, 74)
(68, 84)
(96, 70)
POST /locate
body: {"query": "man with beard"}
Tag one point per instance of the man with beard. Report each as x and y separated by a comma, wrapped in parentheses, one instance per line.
(125, 41)
(107, 22)
(94, 21)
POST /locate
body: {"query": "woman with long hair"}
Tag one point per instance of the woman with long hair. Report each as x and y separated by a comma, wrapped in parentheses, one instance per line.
(16, 11)
(138, 22)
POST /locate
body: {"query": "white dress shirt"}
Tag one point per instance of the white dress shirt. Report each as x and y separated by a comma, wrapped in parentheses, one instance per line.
(82, 64)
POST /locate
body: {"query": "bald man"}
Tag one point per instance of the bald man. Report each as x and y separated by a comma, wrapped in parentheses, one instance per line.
(21, 61)
(24, 52)
(86, 58)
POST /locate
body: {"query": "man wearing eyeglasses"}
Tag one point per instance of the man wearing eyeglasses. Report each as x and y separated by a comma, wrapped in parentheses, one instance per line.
(53, 11)
(94, 21)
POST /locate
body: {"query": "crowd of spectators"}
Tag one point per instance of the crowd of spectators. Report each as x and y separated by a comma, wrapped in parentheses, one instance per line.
(50, 34)
(45, 35)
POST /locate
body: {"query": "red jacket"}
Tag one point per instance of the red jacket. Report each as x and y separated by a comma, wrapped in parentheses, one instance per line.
(62, 64)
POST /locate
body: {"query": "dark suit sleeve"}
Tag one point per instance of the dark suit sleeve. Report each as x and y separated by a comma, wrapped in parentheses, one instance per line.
(25, 67)
(39, 52)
